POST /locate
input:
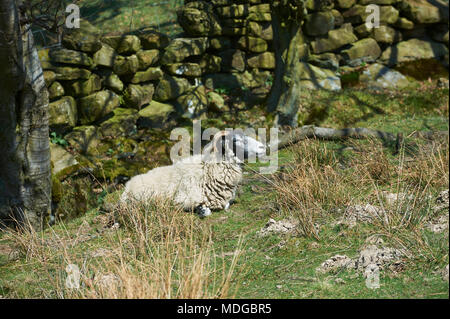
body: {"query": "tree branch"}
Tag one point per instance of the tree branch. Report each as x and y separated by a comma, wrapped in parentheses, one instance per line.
(324, 133)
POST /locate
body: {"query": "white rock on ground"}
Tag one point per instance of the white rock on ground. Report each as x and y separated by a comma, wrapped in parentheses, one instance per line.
(359, 213)
(102, 252)
(442, 201)
(370, 256)
(374, 240)
(283, 226)
(382, 257)
(392, 198)
(438, 225)
(444, 273)
(378, 76)
(336, 263)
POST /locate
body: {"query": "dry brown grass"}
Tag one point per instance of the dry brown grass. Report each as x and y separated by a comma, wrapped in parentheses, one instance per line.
(371, 163)
(312, 185)
(158, 252)
(318, 183)
(430, 167)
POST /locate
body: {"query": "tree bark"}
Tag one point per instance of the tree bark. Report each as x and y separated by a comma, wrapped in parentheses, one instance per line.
(25, 181)
(11, 79)
(284, 98)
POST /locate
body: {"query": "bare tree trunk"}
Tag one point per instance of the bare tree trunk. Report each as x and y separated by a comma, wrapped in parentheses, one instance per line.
(25, 181)
(11, 82)
(288, 37)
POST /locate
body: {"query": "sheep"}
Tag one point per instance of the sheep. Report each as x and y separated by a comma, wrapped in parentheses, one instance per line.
(202, 182)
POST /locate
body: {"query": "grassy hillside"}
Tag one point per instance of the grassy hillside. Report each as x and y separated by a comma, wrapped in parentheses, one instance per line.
(156, 250)
(122, 16)
(127, 15)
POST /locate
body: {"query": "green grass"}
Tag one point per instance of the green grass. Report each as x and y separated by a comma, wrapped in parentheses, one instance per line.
(292, 267)
(414, 108)
(119, 16)
(283, 266)
(123, 16)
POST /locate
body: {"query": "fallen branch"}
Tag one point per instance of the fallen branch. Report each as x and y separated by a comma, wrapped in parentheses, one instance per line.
(325, 133)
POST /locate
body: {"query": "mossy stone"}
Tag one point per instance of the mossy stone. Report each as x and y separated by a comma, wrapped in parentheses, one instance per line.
(73, 57)
(335, 39)
(95, 106)
(181, 48)
(67, 73)
(319, 23)
(122, 123)
(55, 90)
(151, 74)
(63, 113)
(365, 50)
(135, 95)
(171, 87)
(86, 87)
(152, 39)
(155, 115)
(123, 44)
(147, 58)
(113, 82)
(86, 38)
(264, 60)
(184, 69)
(105, 56)
(252, 44)
(193, 104)
(85, 139)
(126, 65)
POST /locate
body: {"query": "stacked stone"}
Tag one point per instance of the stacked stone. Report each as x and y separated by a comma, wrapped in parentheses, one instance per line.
(108, 86)
(112, 85)
(240, 39)
(409, 30)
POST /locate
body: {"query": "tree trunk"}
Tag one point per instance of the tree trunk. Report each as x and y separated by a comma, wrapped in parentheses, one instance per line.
(284, 97)
(11, 79)
(25, 181)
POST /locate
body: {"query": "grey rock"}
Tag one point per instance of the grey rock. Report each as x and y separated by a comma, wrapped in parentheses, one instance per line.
(380, 76)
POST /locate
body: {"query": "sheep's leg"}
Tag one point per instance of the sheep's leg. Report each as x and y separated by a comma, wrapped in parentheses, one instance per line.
(231, 201)
(203, 211)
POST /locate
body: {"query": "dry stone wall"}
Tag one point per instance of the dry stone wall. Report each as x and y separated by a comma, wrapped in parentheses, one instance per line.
(338, 40)
(113, 85)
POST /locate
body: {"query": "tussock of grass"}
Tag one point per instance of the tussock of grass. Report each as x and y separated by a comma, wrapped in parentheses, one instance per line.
(161, 252)
(320, 184)
(312, 185)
